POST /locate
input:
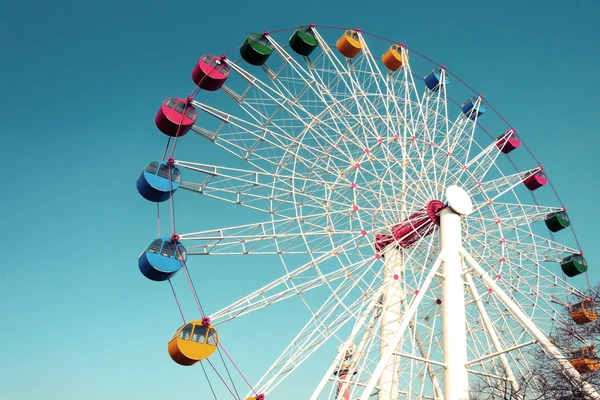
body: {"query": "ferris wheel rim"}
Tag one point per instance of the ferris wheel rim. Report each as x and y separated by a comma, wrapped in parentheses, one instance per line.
(342, 29)
(428, 60)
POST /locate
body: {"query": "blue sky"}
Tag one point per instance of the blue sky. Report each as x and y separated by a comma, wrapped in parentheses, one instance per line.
(80, 85)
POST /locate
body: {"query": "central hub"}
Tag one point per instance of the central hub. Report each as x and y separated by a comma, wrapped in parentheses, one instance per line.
(419, 225)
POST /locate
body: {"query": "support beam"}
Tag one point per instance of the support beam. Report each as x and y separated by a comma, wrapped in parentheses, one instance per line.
(410, 313)
(360, 352)
(497, 353)
(391, 314)
(454, 330)
(337, 362)
(489, 327)
(520, 316)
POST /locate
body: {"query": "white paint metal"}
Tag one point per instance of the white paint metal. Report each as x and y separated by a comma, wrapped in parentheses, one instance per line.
(530, 326)
(390, 320)
(385, 359)
(456, 378)
(489, 327)
(360, 323)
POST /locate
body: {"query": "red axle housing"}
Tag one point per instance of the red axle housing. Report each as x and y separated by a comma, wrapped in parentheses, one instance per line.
(422, 223)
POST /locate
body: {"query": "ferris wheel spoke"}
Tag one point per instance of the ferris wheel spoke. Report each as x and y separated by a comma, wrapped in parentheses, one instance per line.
(373, 125)
(263, 192)
(292, 284)
(485, 192)
(315, 84)
(311, 93)
(344, 84)
(316, 127)
(442, 157)
(357, 96)
(373, 189)
(477, 168)
(521, 254)
(454, 155)
(509, 216)
(416, 139)
(425, 121)
(431, 112)
(345, 139)
(542, 249)
(275, 194)
(344, 113)
(263, 142)
(250, 141)
(282, 236)
(539, 296)
(364, 85)
(461, 138)
(436, 111)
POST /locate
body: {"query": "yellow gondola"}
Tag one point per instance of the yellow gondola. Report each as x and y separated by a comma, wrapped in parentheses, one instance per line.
(583, 312)
(349, 44)
(395, 57)
(193, 342)
(585, 360)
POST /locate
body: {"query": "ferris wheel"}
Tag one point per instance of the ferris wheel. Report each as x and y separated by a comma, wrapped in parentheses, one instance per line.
(408, 218)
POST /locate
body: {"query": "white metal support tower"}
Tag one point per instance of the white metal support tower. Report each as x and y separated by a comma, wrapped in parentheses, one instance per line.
(390, 320)
(456, 384)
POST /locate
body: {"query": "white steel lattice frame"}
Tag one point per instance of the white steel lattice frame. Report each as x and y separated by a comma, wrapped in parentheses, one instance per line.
(339, 150)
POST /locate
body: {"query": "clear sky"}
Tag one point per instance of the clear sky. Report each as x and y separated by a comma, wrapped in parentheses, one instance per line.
(80, 83)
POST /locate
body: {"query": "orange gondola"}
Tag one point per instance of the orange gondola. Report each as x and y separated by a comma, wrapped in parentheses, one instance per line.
(583, 312)
(349, 44)
(395, 57)
(585, 360)
(193, 342)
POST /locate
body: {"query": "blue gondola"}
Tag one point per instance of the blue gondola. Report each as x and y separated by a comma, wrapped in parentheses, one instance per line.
(433, 80)
(471, 109)
(153, 183)
(162, 259)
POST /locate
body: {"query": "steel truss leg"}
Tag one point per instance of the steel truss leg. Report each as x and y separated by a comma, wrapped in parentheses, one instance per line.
(338, 359)
(530, 326)
(389, 352)
(454, 329)
(487, 323)
(391, 315)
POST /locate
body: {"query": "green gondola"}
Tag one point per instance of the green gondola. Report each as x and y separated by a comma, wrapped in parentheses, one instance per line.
(303, 41)
(573, 265)
(256, 49)
(557, 221)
